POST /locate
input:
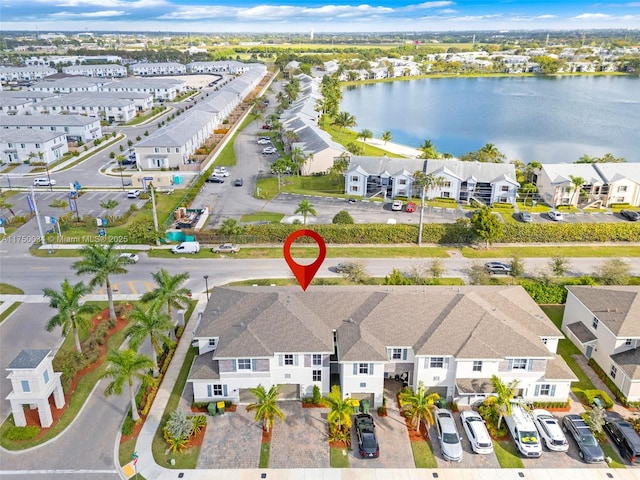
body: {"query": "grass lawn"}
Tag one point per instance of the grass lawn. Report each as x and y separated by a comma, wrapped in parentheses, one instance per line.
(227, 157)
(338, 458)
(507, 454)
(6, 289)
(12, 308)
(272, 217)
(610, 451)
(320, 185)
(265, 451)
(549, 252)
(423, 455)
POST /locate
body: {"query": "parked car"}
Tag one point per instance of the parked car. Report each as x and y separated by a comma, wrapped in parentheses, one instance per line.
(525, 217)
(411, 207)
(220, 173)
(238, 182)
(264, 138)
(130, 160)
(344, 267)
(131, 257)
(448, 436)
(263, 141)
(186, 247)
(133, 193)
(266, 127)
(214, 179)
(43, 182)
(630, 215)
(624, 436)
(497, 267)
(269, 150)
(588, 446)
(396, 206)
(476, 431)
(554, 215)
(550, 430)
(226, 248)
(366, 435)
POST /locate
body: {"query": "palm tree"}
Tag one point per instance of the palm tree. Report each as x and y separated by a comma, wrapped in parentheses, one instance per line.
(169, 290)
(428, 150)
(125, 366)
(427, 182)
(154, 325)
(305, 208)
(386, 136)
(340, 409)
(266, 406)
(102, 261)
(577, 183)
(108, 205)
(418, 406)
(530, 170)
(504, 394)
(365, 135)
(70, 312)
(344, 120)
(231, 226)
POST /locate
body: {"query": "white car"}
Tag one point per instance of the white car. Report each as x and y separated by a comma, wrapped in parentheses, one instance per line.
(262, 141)
(131, 257)
(476, 431)
(554, 215)
(218, 172)
(396, 206)
(133, 193)
(43, 182)
(269, 150)
(550, 430)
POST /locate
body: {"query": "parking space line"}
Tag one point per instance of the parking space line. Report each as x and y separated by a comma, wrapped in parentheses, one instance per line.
(132, 287)
(149, 286)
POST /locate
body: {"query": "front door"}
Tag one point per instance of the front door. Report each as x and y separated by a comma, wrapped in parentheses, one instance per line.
(588, 352)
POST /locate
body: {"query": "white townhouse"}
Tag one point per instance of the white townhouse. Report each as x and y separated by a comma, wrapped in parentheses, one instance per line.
(75, 127)
(223, 66)
(17, 146)
(451, 338)
(621, 182)
(28, 73)
(160, 88)
(109, 70)
(318, 147)
(220, 104)
(486, 183)
(31, 96)
(68, 84)
(10, 105)
(162, 68)
(109, 109)
(143, 102)
(603, 322)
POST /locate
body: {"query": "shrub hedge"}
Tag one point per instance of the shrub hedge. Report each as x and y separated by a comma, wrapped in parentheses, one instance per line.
(612, 386)
(590, 395)
(22, 433)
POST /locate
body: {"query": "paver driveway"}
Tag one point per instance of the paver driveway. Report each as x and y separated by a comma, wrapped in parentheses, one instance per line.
(301, 440)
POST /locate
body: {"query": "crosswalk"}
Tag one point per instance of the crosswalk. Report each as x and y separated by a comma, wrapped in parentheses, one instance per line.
(134, 288)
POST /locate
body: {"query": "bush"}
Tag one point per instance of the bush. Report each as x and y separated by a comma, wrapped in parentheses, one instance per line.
(609, 383)
(589, 397)
(545, 405)
(317, 396)
(127, 426)
(22, 433)
(343, 217)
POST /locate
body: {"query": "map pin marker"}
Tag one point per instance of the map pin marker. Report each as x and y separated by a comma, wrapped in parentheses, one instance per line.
(304, 273)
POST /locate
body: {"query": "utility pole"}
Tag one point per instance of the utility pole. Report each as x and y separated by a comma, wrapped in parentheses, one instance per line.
(155, 213)
(35, 210)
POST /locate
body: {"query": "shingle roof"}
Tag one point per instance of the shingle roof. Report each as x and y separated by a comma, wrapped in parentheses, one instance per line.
(581, 332)
(28, 359)
(481, 171)
(204, 368)
(617, 307)
(629, 361)
(557, 369)
(474, 385)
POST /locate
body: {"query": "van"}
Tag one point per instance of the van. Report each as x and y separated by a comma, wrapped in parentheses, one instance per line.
(523, 431)
(625, 437)
(186, 247)
(43, 182)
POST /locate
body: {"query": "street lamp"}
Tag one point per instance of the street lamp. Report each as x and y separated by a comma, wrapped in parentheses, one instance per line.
(206, 284)
(49, 177)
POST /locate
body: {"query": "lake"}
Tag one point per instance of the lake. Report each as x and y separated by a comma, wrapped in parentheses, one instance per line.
(547, 119)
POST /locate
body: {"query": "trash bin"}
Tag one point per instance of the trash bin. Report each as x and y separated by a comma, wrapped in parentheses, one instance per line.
(177, 179)
(220, 408)
(365, 406)
(356, 406)
(211, 408)
(441, 403)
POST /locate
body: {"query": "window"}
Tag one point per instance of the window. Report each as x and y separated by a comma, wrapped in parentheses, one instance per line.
(317, 359)
(504, 188)
(37, 145)
(477, 365)
(212, 342)
(613, 371)
(244, 364)
(446, 195)
(363, 384)
(628, 342)
(156, 150)
(25, 386)
(317, 375)
(214, 390)
(447, 185)
(396, 354)
(594, 324)
(354, 188)
(45, 375)
(402, 181)
(545, 390)
(288, 359)
(519, 364)
(622, 188)
(355, 178)
(544, 340)
(177, 150)
(363, 368)
(436, 362)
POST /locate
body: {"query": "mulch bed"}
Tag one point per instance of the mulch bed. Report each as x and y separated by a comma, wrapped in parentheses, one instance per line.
(414, 435)
(32, 416)
(311, 405)
(196, 440)
(266, 436)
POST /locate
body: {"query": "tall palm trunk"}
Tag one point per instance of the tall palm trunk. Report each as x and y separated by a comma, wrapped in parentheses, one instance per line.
(112, 310)
(76, 334)
(421, 218)
(134, 408)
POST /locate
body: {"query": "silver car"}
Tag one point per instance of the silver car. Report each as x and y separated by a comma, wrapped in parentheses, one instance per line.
(448, 436)
(476, 431)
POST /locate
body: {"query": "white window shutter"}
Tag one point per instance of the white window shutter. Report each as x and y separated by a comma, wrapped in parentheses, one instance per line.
(355, 368)
(390, 353)
(371, 369)
(529, 364)
(404, 354)
(224, 390)
(209, 391)
(280, 360)
(553, 391)
(295, 360)
(510, 364)
(537, 391)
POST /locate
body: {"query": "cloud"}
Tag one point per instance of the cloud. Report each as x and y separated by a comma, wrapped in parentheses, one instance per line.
(101, 14)
(447, 10)
(592, 16)
(106, 3)
(545, 17)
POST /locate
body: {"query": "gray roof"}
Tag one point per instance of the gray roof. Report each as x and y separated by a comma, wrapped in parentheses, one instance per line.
(144, 83)
(582, 333)
(28, 359)
(485, 172)
(466, 322)
(617, 307)
(178, 132)
(29, 136)
(474, 385)
(629, 361)
(557, 369)
(379, 165)
(84, 99)
(71, 81)
(38, 120)
(616, 171)
(560, 173)
(28, 94)
(204, 368)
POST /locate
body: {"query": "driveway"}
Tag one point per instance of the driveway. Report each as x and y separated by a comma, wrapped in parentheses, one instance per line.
(301, 440)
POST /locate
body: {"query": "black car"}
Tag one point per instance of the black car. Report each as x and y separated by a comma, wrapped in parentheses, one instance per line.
(238, 182)
(213, 179)
(625, 437)
(590, 450)
(497, 267)
(631, 215)
(366, 434)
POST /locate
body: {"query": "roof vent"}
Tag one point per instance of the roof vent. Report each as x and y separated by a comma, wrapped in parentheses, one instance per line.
(350, 320)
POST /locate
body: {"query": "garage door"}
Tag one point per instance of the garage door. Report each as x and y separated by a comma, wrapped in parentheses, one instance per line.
(289, 391)
(246, 397)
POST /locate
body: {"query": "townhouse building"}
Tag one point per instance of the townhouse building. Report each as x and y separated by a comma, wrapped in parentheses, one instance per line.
(603, 323)
(63, 83)
(10, 105)
(17, 146)
(159, 88)
(109, 70)
(74, 127)
(161, 68)
(27, 73)
(224, 66)
(453, 339)
(110, 109)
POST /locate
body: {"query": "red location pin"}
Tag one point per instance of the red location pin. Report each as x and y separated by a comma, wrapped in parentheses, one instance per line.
(304, 273)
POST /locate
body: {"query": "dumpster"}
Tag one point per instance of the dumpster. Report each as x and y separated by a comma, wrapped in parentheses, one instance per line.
(211, 408)
(365, 406)
(220, 406)
(356, 406)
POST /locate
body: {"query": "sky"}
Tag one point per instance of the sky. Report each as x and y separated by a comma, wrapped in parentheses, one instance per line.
(299, 16)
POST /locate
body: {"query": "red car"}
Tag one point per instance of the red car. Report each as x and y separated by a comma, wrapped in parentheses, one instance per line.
(411, 207)
(266, 127)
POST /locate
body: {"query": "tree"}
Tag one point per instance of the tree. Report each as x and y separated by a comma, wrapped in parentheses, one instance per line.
(596, 418)
(396, 277)
(355, 271)
(70, 314)
(4, 205)
(386, 136)
(124, 367)
(558, 265)
(614, 271)
(266, 406)
(142, 230)
(340, 409)
(504, 393)
(517, 267)
(576, 183)
(150, 324)
(365, 135)
(426, 182)
(486, 225)
(101, 261)
(343, 217)
(344, 120)
(418, 406)
(477, 274)
(109, 205)
(305, 208)
(428, 150)
(169, 290)
(231, 226)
